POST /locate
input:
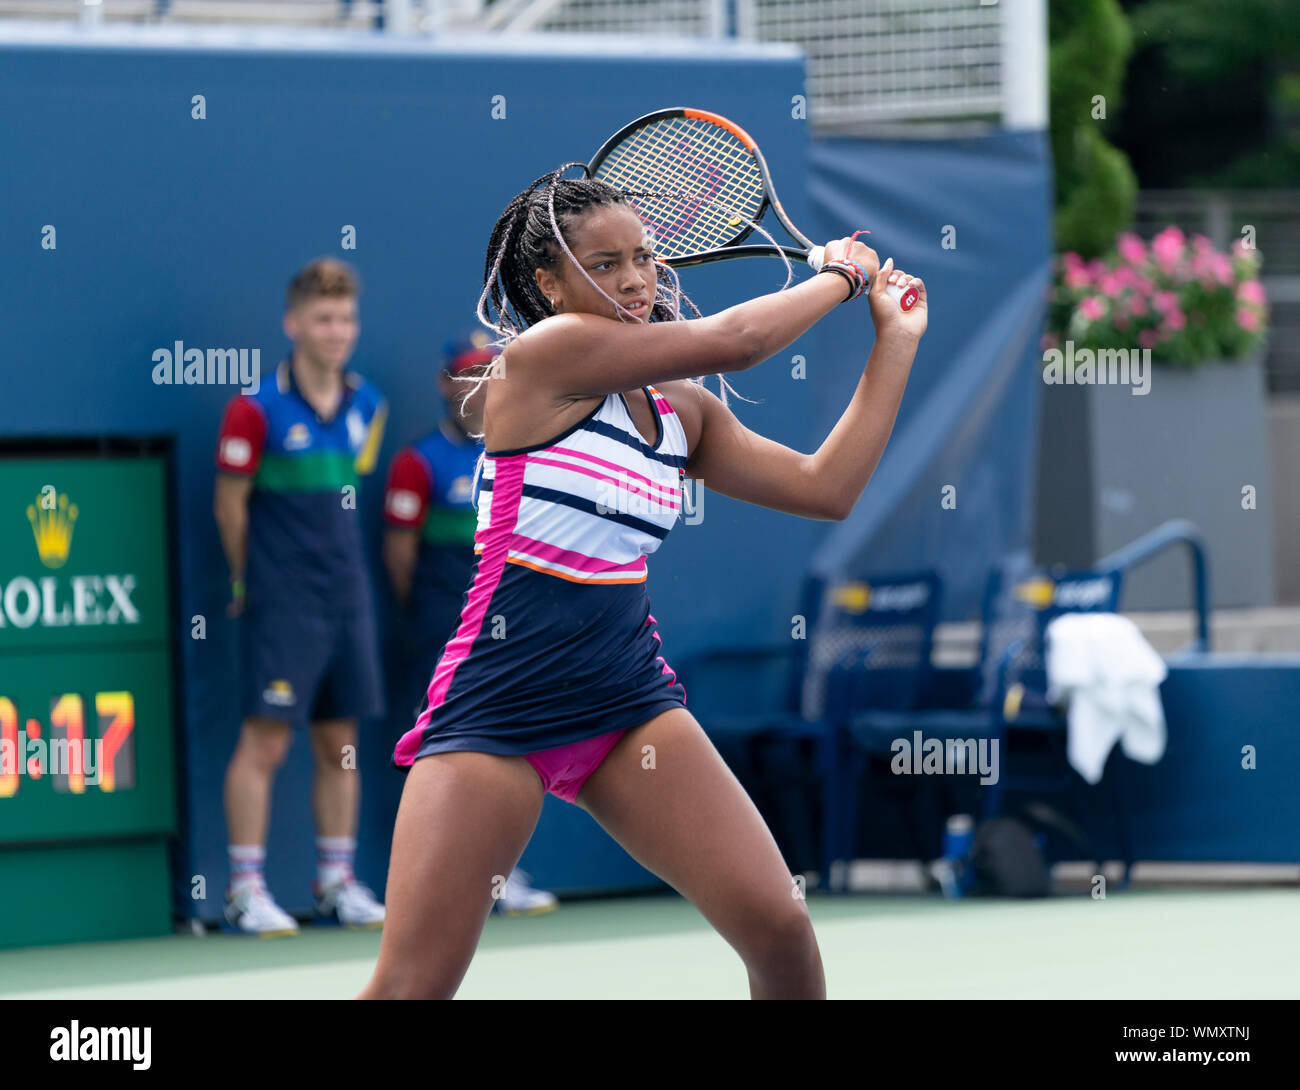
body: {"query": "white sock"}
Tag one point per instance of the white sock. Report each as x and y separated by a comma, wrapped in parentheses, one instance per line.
(334, 856)
(246, 864)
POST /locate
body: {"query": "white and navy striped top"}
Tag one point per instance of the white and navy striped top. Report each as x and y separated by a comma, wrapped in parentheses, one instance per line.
(591, 504)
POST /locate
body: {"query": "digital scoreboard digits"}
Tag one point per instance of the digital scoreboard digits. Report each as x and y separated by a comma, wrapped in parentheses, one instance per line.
(87, 730)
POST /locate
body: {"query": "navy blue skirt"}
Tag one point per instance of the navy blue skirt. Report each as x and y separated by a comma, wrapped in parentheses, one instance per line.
(547, 663)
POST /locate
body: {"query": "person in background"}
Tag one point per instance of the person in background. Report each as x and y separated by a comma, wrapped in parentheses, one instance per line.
(289, 460)
(431, 519)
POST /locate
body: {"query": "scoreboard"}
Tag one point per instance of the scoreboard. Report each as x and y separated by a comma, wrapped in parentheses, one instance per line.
(87, 753)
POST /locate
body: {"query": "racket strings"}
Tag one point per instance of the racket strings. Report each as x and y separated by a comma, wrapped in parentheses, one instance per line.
(734, 214)
(715, 182)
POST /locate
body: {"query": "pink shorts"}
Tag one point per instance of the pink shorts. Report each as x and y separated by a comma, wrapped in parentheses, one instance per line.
(565, 769)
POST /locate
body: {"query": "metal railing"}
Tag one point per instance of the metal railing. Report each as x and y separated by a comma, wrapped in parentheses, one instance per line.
(947, 64)
(1166, 536)
(353, 14)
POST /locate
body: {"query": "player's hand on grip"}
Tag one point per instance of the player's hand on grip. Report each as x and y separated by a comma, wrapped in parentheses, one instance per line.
(885, 311)
(849, 249)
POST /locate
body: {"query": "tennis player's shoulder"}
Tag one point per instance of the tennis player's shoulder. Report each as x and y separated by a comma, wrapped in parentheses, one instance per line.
(687, 399)
(550, 333)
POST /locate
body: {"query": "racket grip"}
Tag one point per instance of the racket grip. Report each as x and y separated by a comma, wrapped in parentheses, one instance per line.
(905, 297)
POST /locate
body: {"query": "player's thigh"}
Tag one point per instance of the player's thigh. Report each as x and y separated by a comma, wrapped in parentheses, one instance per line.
(678, 810)
(462, 824)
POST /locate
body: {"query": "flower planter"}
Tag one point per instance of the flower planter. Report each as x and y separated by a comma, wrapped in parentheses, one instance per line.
(1113, 465)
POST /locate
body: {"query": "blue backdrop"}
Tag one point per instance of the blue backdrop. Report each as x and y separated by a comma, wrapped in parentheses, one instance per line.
(172, 228)
(974, 218)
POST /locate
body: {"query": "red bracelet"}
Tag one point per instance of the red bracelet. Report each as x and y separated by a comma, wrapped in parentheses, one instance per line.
(854, 273)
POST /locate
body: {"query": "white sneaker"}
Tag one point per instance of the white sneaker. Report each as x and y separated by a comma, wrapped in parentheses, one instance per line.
(252, 911)
(518, 898)
(349, 904)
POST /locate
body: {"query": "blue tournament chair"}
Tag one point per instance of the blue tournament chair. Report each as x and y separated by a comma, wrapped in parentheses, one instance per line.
(888, 622)
(1010, 687)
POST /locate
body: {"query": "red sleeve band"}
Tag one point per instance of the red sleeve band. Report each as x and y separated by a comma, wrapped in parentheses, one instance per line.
(406, 498)
(242, 437)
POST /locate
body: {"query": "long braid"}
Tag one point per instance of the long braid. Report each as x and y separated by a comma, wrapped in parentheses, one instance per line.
(526, 238)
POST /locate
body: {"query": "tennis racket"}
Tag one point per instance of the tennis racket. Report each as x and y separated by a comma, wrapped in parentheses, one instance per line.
(707, 184)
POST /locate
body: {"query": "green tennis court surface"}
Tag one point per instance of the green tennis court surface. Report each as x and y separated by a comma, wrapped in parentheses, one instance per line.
(1135, 945)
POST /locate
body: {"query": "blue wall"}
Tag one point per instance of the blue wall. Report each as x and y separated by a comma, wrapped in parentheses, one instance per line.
(974, 218)
(170, 228)
(1199, 803)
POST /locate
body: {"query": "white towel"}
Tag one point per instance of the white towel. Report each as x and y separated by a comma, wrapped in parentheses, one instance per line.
(1111, 677)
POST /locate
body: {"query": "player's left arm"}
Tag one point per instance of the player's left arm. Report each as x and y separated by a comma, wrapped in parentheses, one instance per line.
(730, 459)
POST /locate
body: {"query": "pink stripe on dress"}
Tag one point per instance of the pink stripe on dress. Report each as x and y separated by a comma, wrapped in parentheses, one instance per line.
(507, 489)
(672, 675)
(578, 561)
(665, 497)
(601, 462)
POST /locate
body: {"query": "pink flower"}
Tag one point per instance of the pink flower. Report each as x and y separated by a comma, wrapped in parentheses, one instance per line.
(1131, 248)
(1145, 285)
(1071, 260)
(1122, 322)
(1251, 291)
(1147, 338)
(1137, 306)
(1248, 319)
(1168, 247)
(1092, 308)
(1076, 278)
(1165, 301)
(1110, 285)
(1175, 319)
(1202, 245)
(1125, 276)
(1096, 269)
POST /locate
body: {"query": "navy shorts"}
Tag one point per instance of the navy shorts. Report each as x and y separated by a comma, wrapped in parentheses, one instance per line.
(306, 667)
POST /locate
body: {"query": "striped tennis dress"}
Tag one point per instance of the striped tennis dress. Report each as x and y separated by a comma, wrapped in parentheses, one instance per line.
(556, 642)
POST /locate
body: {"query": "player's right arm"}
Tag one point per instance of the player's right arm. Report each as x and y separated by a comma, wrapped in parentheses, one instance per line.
(406, 506)
(583, 355)
(239, 451)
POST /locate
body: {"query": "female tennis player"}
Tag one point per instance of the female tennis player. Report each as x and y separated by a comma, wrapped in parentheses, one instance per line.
(555, 680)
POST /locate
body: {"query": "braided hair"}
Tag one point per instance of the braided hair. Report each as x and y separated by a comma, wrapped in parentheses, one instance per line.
(530, 235)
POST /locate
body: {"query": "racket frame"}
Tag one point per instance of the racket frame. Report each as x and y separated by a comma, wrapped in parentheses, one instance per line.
(731, 248)
(807, 251)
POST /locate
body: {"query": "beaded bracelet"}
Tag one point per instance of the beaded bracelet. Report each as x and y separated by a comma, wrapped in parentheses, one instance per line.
(854, 273)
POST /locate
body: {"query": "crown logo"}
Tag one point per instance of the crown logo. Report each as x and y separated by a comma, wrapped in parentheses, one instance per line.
(52, 528)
